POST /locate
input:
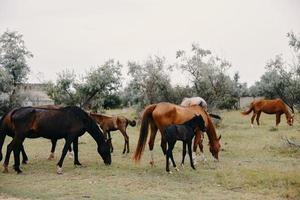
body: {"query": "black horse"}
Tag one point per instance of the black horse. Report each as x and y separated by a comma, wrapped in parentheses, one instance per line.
(6, 128)
(184, 132)
(70, 123)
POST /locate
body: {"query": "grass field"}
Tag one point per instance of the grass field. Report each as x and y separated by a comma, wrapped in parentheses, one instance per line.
(255, 163)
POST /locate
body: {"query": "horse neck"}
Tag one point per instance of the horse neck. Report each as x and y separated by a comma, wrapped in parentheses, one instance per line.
(211, 132)
(286, 112)
(96, 133)
(191, 123)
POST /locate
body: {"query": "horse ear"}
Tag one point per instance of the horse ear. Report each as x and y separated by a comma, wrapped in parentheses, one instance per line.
(219, 137)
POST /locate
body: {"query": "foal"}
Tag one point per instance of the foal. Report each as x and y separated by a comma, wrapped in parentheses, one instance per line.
(184, 132)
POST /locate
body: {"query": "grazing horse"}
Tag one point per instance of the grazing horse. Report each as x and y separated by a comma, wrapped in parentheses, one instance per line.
(159, 116)
(70, 123)
(114, 123)
(184, 132)
(194, 101)
(275, 106)
(6, 128)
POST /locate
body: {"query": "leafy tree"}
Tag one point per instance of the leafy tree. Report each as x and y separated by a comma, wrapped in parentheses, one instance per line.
(64, 91)
(150, 82)
(282, 79)
(13, 67)
(90, 91)
(209, 77)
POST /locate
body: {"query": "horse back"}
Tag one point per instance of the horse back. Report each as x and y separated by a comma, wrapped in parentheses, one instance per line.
(166, 114)
(52, 124)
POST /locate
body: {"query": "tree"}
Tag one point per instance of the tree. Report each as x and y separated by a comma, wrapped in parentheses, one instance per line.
(89, 92)
(282, 79)
(209, 77)
(13, 67)
(64, 91)
(150, 82)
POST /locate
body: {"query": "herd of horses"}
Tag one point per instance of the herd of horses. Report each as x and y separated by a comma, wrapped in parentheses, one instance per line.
(175, 122)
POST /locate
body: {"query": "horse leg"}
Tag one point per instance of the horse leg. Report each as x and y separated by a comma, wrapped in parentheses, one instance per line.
(172, 158)
(151, 142)
(71, 153)
(170, 155)
(252, 118)
(167, 160)
(257, 117)
(110, 142)
(75, 147)
(7, 156)
(53, 142)
(277, 119)
(69, 140)
(163, 142)
(126, 141)
(24, 155)
(183, 153)
(16, 151)
(190, 153)
(197, 141)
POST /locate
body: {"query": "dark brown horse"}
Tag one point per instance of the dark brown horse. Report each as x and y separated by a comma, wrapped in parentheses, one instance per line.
(6, 128)
(114, 123)
(69, 123)
(159, 116)
(275, 106)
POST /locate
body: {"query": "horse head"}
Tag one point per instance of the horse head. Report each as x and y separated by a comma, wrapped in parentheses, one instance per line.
(215, 147)
(104, 151)
(290, 120)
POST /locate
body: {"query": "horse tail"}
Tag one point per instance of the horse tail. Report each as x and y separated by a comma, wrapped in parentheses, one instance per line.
(131, 122)
(146, 118)
(249, 110)
(2, 134)
(215, 116)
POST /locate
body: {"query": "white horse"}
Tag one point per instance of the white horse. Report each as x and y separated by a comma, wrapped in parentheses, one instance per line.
(194, 101)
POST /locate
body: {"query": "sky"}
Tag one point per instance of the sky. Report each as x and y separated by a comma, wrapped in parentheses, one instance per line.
(78, 35)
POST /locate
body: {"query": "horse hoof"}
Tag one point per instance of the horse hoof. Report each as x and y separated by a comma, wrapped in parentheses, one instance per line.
(176, 168)
(170, 172)
(182, 166)
(5, 171)
(78, 164)
(51, 156)
(252, 126)
(19, 172)
(24, 162)
(152, 163)
(59, 170)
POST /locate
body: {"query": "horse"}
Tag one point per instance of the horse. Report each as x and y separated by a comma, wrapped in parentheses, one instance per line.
(159, 116)
(69, 122)
(186, 102)
(274, 106)
(114, 123)
(184, 132)
(6, 128)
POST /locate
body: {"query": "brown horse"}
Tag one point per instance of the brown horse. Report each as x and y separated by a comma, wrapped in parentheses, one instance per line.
(161, 115)
(114, 123)
(275, 106)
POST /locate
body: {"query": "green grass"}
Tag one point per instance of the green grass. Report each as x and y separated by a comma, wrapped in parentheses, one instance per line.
(255, 164)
